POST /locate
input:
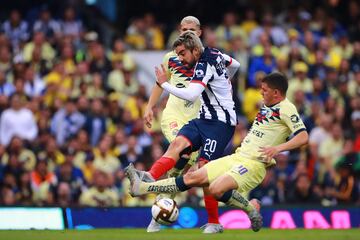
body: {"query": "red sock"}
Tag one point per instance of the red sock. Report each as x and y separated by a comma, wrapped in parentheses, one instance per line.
(161, 166)
(211, 206)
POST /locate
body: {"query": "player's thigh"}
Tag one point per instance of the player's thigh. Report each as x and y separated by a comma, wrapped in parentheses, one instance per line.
(215, 137)
(248, 174)
(191, 133)
(218, 167)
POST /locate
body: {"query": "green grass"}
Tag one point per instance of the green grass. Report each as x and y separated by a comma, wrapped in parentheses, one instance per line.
(188, 234)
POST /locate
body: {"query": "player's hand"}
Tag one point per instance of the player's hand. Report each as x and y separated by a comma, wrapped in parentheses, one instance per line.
(148, 117)
(269, 152)
(160, 74)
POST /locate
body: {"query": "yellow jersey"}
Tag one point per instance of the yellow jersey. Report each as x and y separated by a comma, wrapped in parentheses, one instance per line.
(180, 77)
(272, 126)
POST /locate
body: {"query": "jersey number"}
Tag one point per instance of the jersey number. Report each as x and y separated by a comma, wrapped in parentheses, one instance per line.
(242, 170)
(210, 145)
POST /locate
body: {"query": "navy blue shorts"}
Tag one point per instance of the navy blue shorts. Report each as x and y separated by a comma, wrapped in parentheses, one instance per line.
(211, 135)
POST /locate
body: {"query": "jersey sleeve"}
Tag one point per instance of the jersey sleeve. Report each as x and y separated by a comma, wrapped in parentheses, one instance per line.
(202, 73)
(291, 118)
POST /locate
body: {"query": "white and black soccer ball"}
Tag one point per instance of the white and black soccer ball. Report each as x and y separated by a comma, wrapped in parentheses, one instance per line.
(165, 211)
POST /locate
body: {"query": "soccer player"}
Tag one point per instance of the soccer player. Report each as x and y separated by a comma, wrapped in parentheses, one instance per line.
(230, 176)
(217, 112)
(177, 113)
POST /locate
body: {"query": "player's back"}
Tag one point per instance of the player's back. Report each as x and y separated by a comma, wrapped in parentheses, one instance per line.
(272, 126)
(180, 77)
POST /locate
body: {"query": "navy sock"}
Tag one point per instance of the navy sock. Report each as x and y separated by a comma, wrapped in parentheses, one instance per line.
(225, 197)
(180, 184)
(181, 163)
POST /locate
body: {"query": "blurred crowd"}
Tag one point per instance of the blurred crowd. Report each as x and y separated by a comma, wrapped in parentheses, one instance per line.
(71, 108)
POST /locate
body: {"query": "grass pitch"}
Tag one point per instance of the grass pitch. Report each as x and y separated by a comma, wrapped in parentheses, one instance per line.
(183, 234)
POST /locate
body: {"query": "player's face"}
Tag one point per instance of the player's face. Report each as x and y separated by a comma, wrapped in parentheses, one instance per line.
(190, 27)
(268, 94)
(186, 57)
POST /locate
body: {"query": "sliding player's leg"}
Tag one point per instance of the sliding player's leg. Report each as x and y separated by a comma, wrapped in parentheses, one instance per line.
(243, 177)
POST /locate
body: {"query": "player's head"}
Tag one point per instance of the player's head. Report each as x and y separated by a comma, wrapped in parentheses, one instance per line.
(190, 23)
(273, 88)
(189, 48)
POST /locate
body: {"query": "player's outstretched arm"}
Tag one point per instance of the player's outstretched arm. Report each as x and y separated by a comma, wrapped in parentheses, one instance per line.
(154, 98)
(297, 141)
(191, 93)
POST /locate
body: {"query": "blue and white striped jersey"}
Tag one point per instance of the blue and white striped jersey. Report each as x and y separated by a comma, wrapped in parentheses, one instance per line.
(216, 100)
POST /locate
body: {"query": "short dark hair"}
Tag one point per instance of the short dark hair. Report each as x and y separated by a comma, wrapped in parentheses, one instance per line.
(276, 81)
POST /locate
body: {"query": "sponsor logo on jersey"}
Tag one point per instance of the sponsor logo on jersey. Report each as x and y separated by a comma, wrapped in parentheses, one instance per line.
(173, 125)
(294, 118)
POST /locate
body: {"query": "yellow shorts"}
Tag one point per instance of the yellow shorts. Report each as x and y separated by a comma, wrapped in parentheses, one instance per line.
(246, 172)
(170, 127)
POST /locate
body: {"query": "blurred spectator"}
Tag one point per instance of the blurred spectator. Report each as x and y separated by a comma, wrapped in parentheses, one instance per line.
(144, 33)
(228, 30)
(16, 30)
(101, 194)
(41, 182)
(105, 159)
(95, 123)
(5, 58)
(300, 81)
(34, 85)
(17, 121)
(99, 62)
(122, 80)
(25, 156)
(345, 190)
(331, 148)
(276, 33)
(249, 23)
(70, 26)
(265, 63)
(38, 41)
(67, 122)
(303, 192)
(47, 25)
(6, 88)
(131, 152)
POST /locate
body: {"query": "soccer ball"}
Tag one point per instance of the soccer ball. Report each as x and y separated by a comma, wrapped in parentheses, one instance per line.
(165, 211)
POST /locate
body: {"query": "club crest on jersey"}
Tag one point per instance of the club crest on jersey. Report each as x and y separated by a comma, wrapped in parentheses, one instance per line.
(199, 73)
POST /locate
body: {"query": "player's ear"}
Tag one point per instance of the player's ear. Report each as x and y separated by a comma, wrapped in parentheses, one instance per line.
(198, 32)
(196, 52)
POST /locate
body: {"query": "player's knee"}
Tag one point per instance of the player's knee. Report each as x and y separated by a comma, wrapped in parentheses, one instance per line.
(216, 191)
(180, 146)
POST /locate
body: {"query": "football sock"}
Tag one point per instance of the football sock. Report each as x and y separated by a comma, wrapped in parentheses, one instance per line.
(211, 205)
(161, 166)
(167, 185)
(234, 199)
(181, 163)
